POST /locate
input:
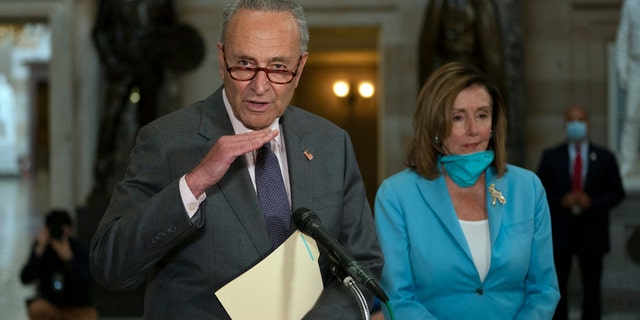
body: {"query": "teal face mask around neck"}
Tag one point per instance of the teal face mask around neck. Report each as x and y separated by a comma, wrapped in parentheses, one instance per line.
(465, 169)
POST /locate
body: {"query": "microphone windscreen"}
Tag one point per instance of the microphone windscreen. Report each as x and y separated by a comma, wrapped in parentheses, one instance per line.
(302, 216)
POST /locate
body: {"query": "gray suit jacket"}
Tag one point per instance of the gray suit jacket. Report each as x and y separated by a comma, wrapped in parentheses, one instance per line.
(146, 235)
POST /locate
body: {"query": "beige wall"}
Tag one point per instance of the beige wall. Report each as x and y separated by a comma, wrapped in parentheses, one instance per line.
(565, 49)
(357, 116)
(566, 64)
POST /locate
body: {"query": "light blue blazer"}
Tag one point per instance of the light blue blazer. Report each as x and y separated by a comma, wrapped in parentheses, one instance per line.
(429, 271)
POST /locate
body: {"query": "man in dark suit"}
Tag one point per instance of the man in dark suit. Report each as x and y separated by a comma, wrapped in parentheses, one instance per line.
(583, 184)
(187, 218)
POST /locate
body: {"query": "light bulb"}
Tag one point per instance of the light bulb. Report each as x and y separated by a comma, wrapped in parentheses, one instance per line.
(341, 89)
(366, 89)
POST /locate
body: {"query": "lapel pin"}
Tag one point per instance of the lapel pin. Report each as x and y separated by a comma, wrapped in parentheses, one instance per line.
(496, 196)
(308, 154)
(593, 156)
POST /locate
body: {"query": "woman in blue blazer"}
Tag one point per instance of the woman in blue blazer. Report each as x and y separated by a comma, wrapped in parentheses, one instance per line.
(464, 234)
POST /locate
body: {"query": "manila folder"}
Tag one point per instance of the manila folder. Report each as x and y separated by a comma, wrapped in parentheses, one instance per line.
(285, 285)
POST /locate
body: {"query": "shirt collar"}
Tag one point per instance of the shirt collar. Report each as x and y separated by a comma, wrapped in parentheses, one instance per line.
(583, 144)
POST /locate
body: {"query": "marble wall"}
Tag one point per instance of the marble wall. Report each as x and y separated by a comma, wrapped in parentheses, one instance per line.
(567, 63)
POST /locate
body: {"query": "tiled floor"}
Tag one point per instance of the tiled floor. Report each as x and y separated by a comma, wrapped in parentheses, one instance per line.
(21, 212)
(23, 204)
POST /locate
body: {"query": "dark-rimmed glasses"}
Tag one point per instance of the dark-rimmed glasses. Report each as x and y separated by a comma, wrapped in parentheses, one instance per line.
(276, 76)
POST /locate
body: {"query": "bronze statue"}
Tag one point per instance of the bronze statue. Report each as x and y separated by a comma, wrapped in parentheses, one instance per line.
(139, 42)
(461, 30)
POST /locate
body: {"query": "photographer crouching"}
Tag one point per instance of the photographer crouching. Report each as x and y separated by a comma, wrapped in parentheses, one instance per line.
(60, 266)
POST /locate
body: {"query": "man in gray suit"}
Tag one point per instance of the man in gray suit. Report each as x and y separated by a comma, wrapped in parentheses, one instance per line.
(186, 219)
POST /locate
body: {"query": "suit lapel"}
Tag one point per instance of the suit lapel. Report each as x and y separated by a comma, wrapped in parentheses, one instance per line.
(236, 185)
(565, 164)
(298, 147)
(437, 197)
(592, 158)
(495, 212)
(237, 188)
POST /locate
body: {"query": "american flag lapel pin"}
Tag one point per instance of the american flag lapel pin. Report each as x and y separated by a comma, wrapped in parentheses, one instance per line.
(308, 154)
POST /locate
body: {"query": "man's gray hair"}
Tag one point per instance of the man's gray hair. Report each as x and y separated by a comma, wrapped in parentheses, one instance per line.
(269, 5)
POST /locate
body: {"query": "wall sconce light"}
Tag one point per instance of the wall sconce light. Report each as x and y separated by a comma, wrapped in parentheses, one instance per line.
(342, 89)
(366, 89)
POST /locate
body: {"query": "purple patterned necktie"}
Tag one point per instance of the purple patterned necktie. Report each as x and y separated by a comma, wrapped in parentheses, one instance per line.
(272, 195)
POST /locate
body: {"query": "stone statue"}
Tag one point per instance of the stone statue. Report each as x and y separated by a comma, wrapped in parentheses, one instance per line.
(461, 30)
(139, 42)
(7, 111)
(8, 135)
(627, 49)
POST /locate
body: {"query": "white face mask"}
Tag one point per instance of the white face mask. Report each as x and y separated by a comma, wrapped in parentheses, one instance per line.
(576, 130)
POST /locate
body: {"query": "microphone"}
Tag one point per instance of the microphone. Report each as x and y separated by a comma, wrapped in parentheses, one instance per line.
(308, 223)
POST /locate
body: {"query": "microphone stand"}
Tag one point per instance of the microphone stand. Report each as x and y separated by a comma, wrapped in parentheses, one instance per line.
(354, 289)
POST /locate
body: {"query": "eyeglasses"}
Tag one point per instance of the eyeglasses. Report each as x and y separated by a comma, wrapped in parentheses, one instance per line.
(276, 76)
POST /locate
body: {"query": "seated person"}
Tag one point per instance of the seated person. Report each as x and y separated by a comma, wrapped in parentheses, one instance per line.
(60, 266)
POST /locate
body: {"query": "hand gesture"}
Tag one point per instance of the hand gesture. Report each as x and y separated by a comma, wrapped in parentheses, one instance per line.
(218, 160)
(62, 248)
(577, 201)
(42, 241)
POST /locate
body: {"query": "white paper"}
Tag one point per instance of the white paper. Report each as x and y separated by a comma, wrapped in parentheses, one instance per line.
(285, 285)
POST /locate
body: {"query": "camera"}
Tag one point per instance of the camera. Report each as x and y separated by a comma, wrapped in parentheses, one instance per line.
(55, 231)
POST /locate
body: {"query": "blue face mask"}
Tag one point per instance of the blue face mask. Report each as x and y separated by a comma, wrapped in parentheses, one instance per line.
(576, 130)
(465, 169)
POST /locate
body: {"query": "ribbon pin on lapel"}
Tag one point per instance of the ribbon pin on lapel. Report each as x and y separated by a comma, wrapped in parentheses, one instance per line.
(496, 195)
